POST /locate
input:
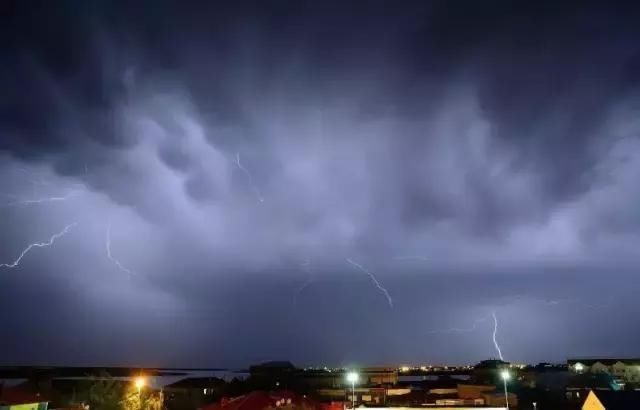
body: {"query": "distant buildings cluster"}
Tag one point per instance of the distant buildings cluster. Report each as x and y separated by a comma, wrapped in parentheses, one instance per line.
(599, 384)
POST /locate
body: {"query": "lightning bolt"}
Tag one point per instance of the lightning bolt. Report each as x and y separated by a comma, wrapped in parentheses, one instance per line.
(40, 200)
(495, 343)
(495, 332)
(246, 171)
(374, 280)
(110, 256)
(39, 245)
(307, 268)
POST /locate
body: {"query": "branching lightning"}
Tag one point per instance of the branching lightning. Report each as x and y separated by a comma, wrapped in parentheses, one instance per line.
(38, 245)
(246, 171)
(306, 265)
(374, 280)
(110, 256)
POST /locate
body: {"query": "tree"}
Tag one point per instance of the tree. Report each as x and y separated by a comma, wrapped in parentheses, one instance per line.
(104, 393)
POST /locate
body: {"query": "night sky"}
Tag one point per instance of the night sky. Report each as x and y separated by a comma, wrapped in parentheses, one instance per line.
(211, 183)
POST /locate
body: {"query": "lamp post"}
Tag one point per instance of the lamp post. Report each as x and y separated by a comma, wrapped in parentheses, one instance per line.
(504, 374)
(352, 377)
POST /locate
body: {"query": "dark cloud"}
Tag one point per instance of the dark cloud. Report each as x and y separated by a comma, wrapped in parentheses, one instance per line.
(463, 152)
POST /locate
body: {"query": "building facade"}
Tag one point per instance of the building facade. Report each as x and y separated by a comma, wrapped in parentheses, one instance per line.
(623, 370)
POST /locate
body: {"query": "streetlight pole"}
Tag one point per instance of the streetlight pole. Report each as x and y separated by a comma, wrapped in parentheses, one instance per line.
(352, 377)
(505, 376)
(353, 394)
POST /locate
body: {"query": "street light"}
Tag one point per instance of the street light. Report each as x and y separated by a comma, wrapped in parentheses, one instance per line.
(352, 377)
(140, 382)
(504, 373)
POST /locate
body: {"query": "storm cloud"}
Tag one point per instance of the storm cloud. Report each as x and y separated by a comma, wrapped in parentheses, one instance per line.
(463, 152)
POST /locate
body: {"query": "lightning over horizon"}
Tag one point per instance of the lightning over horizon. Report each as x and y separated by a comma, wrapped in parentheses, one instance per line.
(495, 332)
(40, 200)
(110, 256)
(374, 280)
(250, 178)
(48, 243)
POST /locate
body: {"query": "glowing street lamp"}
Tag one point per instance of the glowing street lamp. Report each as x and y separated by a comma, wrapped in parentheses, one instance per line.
(352, 377)
(579, 367)
(140, 382)
(505, 375)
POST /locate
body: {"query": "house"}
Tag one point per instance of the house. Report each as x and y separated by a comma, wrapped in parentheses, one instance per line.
(192, 392)
(261, 400)
(580, 385)
(624, 370)
(474, 391)
(498, 399)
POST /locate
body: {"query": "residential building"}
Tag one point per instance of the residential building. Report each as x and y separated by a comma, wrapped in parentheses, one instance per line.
(624, 370)
(192, 392)
(260, 400)
(581, 384)
(498, 399)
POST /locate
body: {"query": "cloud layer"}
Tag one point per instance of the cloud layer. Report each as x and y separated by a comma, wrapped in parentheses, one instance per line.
(435, 146)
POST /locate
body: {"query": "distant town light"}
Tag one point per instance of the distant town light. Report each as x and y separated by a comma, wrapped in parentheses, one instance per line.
(579, 367)
(352, 377)
(505, 375)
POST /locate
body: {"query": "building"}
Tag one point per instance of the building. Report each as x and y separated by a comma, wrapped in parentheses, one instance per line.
(624, 370)
(332, 379)
(474, 391)
(379, 376)
(260, 400)
(370, 396)
(192, 392)
(581, 384)
(498, 399)
(488, 371)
